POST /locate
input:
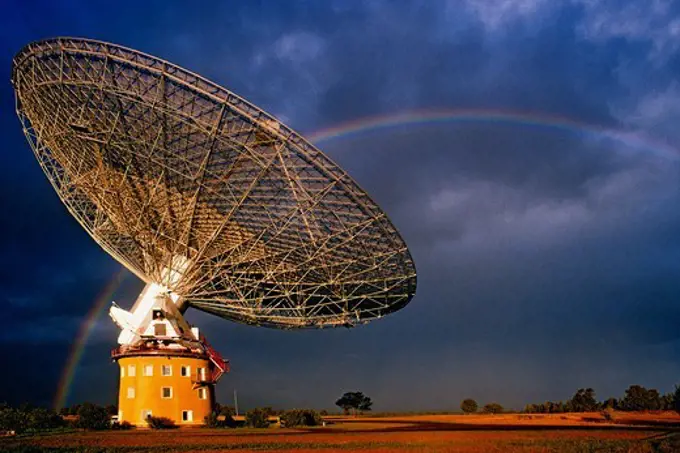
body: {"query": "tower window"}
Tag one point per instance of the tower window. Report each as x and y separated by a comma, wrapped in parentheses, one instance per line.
(202, 393)
(166, 370)
(122, 371)
(200, 373)
(131, 370)
(130, 392)
(148, 370)
(185, 371)
(187, 416)
(166, 392)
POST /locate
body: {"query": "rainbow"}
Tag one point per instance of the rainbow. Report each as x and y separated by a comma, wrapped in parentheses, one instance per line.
(633, 139)
(78, 347)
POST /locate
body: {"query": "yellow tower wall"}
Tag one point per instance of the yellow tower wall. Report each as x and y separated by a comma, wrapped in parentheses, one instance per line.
(147, 396)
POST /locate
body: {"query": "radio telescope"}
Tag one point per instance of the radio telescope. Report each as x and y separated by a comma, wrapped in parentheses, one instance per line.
(212, 202)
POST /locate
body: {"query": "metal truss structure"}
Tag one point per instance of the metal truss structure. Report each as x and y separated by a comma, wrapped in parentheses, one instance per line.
(173, 174)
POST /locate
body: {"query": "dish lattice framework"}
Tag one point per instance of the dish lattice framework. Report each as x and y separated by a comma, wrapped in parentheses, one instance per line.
(169, 171)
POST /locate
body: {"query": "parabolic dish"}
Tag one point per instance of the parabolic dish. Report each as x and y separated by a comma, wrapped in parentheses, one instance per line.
(174, 175)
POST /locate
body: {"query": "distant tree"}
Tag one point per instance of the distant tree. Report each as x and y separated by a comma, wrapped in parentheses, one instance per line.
(492, 408)
(111, 409)
(549, 407)
(584, 401)
(469, 406)
(554, 407)
(12, 419)
(228, 413)
(28, 418)
(257, 418)
(355, 401)
(73, 410)
(220, 417)
(26, 407)
(91, 416)
(667, 402)
(676, 399)
(653, 400)
(365, 405)
(610, 403)
(212, 421)
(638, 398)
(224, 410)
(40, 419)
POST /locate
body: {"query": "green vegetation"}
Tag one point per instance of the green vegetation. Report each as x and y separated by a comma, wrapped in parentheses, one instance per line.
(354, 401)
(492, 408)
(160, 423)
(258, 417)
(469, 406)
(221, 417)
(636, 398)
(301, 417)
(28, 419)
(91, 416)
(212, 421)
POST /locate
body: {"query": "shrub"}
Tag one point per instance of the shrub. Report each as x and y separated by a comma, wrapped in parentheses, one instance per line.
(212, 421)
(123, 426)
(257, 418)
(40, 419)
(13, 420)
(492, 408)
(224, 410)
(301, 417)
(94, 417)
(228, 413)
(607, 414)
(160, 423)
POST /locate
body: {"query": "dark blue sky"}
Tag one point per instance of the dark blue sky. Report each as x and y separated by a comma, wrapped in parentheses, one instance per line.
(548, 260)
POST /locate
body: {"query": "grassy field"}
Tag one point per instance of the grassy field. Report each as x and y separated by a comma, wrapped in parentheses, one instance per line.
(515, 433)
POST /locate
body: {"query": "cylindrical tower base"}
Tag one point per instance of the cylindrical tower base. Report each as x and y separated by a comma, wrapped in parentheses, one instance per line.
(167, 385)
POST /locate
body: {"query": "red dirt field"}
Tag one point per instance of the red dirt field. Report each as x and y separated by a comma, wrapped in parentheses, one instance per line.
(625, 432)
